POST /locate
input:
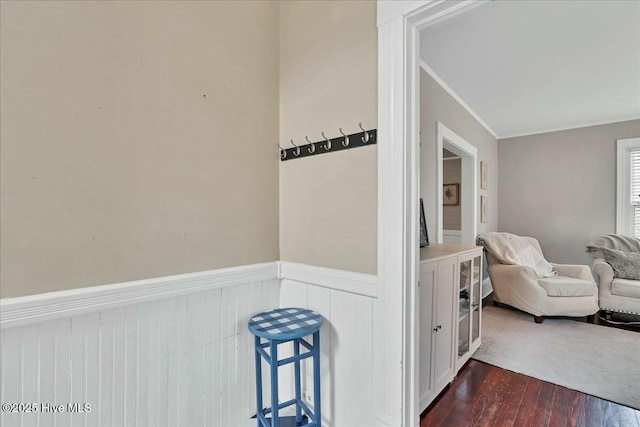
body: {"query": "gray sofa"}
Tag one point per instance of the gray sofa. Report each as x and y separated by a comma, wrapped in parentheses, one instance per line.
(615, 294)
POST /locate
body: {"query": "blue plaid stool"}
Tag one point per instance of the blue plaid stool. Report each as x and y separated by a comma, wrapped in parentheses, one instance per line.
(278, 326)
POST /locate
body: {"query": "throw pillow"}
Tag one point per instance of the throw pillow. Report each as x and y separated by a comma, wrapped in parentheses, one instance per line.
(626, 265)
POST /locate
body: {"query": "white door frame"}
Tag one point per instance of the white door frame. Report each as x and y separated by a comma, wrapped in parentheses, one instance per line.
(395, 349)
(468, 187)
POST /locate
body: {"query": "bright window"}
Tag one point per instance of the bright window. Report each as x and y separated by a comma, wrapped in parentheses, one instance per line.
(628, 187)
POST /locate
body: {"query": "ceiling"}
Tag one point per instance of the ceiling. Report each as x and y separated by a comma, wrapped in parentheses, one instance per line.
(525, 67)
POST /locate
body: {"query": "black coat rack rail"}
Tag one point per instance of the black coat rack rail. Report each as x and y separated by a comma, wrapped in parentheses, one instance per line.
(328, 145)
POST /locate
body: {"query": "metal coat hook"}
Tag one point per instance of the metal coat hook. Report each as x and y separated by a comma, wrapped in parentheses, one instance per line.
(297, 151)
(345, 143)
(283, 152)
(327, 145)
(311, 149)
(366, 134)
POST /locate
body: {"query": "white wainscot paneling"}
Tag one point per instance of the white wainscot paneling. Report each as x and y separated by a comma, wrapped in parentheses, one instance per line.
(345, 300)
(176, 350)
(178, 356)
(453, 237)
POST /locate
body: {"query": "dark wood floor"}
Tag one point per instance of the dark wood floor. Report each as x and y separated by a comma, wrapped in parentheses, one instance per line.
(484, 395)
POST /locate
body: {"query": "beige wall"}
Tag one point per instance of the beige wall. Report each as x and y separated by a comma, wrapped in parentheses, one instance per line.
(328, 79)
(451, 174)
(560, 187)
(436, 105)
(137, 140)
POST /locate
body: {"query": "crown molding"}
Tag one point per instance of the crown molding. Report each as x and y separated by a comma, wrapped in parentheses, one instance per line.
(455, 96)
(580, 126)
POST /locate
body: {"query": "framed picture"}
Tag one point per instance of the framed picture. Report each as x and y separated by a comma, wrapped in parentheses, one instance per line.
(424, 235)
(483, 209)
(451, 195)
(484, 175)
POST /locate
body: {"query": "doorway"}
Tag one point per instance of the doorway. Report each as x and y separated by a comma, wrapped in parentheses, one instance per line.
(448, 140)
(396, 305)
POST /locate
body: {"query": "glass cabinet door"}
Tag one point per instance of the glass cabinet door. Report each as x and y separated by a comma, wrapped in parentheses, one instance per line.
(476, 296)
(464, 300)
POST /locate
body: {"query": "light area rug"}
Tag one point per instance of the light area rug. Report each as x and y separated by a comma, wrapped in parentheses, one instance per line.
(592, 359)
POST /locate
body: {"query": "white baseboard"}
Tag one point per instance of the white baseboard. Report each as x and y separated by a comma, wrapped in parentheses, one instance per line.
(37, 308)
(341, 280)
(383, 420)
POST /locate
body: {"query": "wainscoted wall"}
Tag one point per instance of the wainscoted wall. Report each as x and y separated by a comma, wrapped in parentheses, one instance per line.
(179, 356)
(345, 300)
(176, 350)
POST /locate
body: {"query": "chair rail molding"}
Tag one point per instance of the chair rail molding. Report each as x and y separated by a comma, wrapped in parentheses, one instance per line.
(340, 280)
(54, 305)
(395, 309)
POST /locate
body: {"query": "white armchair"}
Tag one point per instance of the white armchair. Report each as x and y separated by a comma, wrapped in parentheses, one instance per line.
(616, 295)
(573, 292)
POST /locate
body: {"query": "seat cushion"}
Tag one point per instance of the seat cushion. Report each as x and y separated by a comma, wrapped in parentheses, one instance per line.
(562, 286)
(626, 288)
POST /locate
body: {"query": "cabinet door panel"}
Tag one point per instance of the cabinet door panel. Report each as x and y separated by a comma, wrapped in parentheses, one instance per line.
(445, 291)
(428, 278)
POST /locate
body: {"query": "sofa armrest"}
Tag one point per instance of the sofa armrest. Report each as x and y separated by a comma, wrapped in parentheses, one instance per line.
(518, 278)
(518, 286)
(604, 272)
(576, 271)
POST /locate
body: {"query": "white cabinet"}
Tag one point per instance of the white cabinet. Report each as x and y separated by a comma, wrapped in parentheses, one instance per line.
(437, 322)
(450, 311)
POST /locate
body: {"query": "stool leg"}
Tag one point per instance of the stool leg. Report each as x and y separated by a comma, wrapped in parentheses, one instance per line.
(316, 379)
(275, 418)
(296, 352)
(258, 379)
